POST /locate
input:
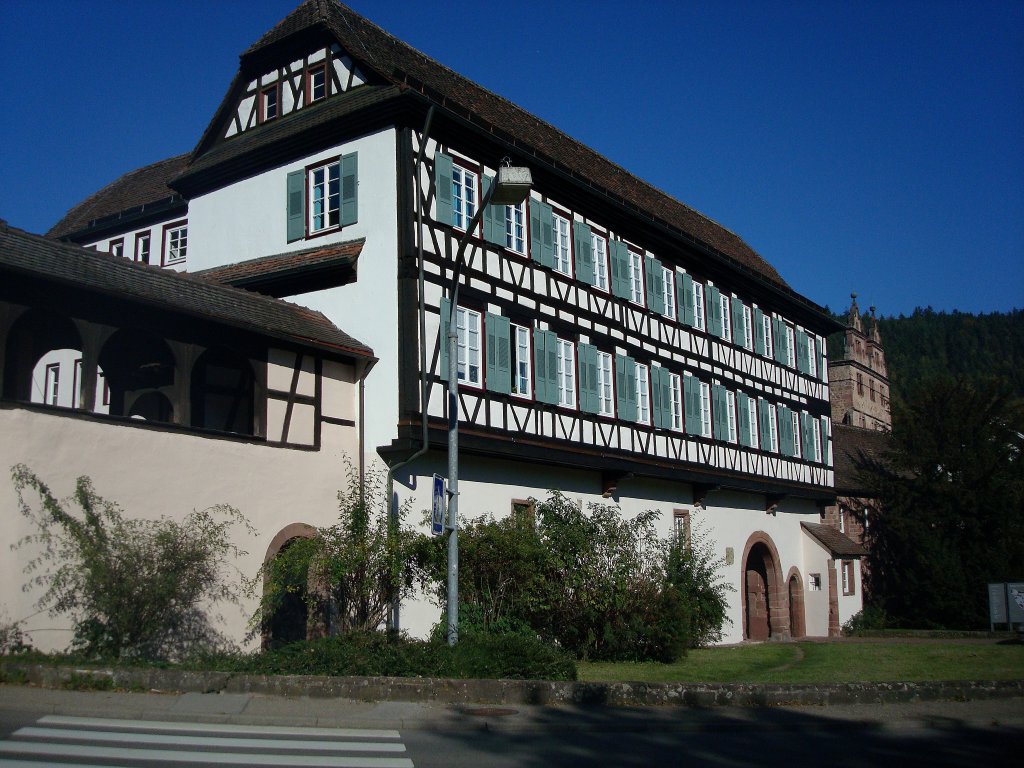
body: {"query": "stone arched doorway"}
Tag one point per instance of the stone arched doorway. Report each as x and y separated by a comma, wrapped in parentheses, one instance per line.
(290, 619)
(765, 603)
(795, 593)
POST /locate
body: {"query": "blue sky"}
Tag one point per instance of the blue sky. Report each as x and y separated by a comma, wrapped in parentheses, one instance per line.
(875, 147)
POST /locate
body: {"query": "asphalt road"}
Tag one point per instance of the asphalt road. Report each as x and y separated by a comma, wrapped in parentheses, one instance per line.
(82, 728)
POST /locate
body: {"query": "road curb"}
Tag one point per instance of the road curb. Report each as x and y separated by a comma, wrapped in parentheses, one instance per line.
(513, 692)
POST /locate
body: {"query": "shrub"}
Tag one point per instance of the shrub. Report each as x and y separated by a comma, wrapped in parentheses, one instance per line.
(133, 588)
(870, 619)
(692, 572)
(354, 569)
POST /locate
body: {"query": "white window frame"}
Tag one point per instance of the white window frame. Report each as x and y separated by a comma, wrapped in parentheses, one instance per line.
(117, 247)
(725, 303)
(669, 276)
(562, 243)
(643, 394)
(515, 227)
(675, 387)
(324, 189)
(769, 345)
(522, 362)
(636, 278)
(468, 328)
(842, 520)
(817, 440)
(730, 404)
(790, 346)
(566, 374)
(143, 248)
(465, 195)
(51, 384)
(748, 328)
(773, 428)
(698, 306)
(599, 246)
(176, 244)
(316, 84)
(797, 447)
(812, 355)
(605, 384)
(814, 582)
(846, 575)
(755, 425)
(705, 409)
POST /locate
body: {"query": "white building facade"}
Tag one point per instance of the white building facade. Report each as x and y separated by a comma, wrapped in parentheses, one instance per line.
(613, 343)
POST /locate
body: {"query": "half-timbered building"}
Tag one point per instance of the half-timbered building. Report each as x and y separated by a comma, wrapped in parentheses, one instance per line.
(613, 343)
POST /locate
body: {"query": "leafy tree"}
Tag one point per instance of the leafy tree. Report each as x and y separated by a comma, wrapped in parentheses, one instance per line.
(349, 572)
(693, 571)
(590, 581)
(134, 588)
(951, 492)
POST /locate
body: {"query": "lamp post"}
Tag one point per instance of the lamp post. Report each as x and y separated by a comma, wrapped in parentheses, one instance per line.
(510, 187)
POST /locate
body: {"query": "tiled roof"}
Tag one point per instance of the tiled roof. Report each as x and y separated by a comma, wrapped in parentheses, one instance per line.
(36, 256)
(839, 544)
(269, 270)
(399, 63)
(848, 445)
(141, 187)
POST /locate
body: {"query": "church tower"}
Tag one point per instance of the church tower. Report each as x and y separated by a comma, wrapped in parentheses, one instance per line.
(859, 381)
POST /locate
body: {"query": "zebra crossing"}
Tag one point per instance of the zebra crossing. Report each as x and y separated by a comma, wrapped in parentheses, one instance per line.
(92, 742)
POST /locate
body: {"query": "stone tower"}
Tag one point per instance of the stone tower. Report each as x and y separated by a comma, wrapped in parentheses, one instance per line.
(859, 381)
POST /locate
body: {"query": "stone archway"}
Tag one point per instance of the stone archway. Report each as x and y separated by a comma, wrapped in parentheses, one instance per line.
(764, 598)
(795, 593)
(291, 620)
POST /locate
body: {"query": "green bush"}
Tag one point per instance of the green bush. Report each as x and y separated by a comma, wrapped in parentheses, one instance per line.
(133, 588)
(871, 619)
(390, 655)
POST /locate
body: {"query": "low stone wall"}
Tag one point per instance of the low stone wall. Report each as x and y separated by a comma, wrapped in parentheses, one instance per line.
(444, 691)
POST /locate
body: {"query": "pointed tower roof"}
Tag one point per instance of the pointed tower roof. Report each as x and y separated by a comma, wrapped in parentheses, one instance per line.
(853, 316)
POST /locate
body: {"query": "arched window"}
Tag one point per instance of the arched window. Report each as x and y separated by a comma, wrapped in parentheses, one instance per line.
(223, 395)
(139, 368)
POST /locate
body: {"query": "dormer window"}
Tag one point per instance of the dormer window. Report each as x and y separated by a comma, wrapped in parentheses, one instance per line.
(269, 103)
(316, 83)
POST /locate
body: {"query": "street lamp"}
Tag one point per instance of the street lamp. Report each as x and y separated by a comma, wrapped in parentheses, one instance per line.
(510, 187)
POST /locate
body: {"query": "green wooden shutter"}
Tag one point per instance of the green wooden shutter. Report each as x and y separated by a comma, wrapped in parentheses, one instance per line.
(691, 404)
(499, 353)
(542, 235)
(296, 205)
(786, 445)
(618, 256)
(826, 441)
(713, 298)
(739, 330)
(719, 422)
(685, 298)
(655, 279)
(779, 340)
(540, 377)
(743, 417)
(625, 387)
(443, 188)
(807, 434)
(583, 246)
(764, 417)
(802, 351)
(442, 338)
(586, 355)
(349, 189)
(758, 331)
(819, 349)
(657, 401)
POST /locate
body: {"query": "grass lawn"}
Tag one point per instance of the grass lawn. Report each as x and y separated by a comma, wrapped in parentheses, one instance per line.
(824, 663)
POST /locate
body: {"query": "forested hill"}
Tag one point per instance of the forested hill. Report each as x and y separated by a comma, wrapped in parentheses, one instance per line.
(929, 343)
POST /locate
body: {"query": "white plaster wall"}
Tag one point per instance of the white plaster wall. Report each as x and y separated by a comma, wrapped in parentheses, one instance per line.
(488, 486)
(272, 487)
(816, 560)
(156, 245)
(247, 220)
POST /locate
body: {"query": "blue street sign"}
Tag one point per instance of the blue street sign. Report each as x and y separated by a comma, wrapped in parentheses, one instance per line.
(437, 507)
